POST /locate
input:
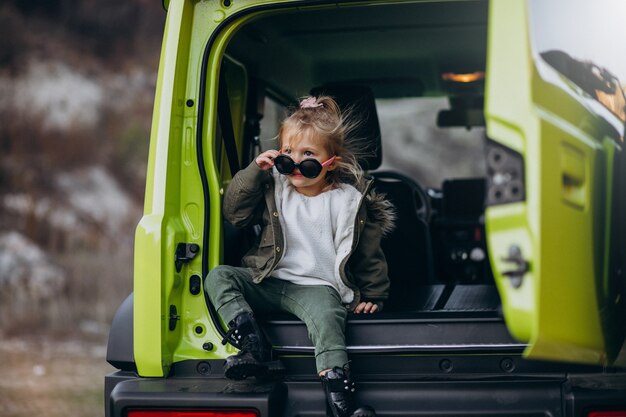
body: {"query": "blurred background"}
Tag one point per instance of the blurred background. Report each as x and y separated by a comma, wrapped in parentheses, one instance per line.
(77, 81)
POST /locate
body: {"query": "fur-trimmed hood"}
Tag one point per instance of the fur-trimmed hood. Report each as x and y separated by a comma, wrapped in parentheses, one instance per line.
(381, 211)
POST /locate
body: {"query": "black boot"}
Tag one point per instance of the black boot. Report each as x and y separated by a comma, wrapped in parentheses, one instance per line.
(254, 356)
(339, 388)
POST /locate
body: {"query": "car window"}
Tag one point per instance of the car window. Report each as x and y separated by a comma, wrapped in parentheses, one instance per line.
(273, 114)
(594, 63)
(414, 145)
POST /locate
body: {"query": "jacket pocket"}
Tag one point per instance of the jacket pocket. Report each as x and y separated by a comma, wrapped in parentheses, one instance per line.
(266, 252)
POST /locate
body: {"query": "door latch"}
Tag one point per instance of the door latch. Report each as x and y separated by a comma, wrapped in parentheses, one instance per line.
(185, 252)
(521, 266)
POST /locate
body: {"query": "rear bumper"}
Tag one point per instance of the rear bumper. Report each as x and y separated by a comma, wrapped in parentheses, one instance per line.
(494, 396)
(125, 391)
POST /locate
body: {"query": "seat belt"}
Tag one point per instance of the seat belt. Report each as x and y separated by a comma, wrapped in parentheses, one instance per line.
(226, 125)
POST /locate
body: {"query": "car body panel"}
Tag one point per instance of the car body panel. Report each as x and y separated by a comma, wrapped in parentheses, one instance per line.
(562, 227)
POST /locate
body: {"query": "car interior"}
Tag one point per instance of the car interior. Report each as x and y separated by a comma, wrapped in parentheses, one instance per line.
(364, 56)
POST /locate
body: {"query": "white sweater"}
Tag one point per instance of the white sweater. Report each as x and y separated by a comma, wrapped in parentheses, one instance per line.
(310, 225)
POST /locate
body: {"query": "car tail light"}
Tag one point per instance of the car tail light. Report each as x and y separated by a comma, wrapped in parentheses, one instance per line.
(505, 175)
(192, 413)
(607, 414)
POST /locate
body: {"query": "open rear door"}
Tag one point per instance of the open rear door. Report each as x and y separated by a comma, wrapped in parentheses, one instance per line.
(555, 124)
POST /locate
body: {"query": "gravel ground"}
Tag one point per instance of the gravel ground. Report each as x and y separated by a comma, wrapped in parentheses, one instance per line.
(52, 377)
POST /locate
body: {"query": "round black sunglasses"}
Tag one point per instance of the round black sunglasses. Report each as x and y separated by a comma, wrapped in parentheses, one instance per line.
(309, 167)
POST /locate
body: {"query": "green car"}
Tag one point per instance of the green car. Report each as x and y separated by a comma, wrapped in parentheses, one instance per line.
(498, 129)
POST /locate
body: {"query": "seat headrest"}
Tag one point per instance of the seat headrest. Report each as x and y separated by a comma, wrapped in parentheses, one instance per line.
(358, 101)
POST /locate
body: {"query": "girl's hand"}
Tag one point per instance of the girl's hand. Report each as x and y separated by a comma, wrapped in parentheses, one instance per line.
(266, 159)
(366, 307)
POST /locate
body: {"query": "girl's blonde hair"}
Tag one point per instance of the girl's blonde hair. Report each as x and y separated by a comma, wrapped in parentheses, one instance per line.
(321, 119)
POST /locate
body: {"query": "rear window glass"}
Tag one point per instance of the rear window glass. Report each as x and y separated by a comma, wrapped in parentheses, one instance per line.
(273, 114)
(414, 145)
(412, 142)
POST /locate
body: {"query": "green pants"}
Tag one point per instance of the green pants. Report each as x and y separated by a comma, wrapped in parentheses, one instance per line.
(232, 292)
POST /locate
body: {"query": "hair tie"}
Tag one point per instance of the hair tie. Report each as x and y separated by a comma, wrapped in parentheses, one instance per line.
(310, 103)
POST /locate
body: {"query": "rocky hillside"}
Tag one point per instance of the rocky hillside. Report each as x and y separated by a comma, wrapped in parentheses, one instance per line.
(77, 82)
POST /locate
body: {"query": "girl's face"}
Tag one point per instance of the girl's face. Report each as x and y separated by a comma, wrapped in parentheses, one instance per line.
(306, 148)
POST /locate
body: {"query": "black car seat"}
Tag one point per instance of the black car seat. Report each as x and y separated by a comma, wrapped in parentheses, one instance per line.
(408, 247)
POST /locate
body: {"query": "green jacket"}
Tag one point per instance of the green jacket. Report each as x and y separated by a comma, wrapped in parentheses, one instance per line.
(250, 200)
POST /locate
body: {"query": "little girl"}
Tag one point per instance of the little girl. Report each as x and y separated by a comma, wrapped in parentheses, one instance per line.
(319, 252)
